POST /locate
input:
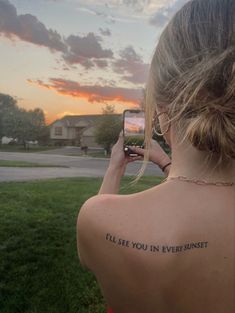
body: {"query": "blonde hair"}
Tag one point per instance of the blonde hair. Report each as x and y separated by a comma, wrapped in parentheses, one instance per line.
(192, 76)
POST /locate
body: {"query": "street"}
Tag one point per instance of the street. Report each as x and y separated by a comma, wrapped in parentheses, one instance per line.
(76, 166)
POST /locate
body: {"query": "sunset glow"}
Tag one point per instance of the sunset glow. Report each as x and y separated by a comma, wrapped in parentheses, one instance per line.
(73, 57)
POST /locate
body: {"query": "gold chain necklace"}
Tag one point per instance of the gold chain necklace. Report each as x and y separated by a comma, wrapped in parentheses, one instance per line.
(198, 182)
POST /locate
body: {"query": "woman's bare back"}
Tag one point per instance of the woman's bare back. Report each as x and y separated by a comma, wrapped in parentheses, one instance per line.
(169, 249)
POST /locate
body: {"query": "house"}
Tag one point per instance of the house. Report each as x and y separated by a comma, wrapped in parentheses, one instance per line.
(76, 130)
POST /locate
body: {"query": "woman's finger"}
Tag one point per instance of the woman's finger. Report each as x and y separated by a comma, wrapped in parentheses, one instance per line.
(137, 150)
(137, 158)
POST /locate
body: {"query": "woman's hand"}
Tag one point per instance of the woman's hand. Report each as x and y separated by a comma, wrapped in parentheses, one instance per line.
(116, 168)
(119, 159)
(156, 154)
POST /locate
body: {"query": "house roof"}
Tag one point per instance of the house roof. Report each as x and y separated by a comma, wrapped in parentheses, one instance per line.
(80, 120)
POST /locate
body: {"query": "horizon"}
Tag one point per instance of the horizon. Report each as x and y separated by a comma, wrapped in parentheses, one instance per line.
(80, 115)
(73, 57)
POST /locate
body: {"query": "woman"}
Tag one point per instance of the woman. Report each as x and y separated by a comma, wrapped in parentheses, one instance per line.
(172, 248)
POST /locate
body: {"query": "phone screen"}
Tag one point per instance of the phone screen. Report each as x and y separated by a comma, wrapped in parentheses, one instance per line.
(133, 128)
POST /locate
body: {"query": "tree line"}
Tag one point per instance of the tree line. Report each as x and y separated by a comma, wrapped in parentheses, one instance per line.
(25, 125)
(30, 125)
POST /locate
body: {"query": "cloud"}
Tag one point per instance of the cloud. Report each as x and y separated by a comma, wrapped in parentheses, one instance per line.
(86, 10)
(159, 19)
(142, 6)
(178, 4)
(101, 63)
(112, 11)
(131, 65)
(136, 5)
(92, 93)
(163, 15)
(105, 32)
(86, 51)
(28, 28)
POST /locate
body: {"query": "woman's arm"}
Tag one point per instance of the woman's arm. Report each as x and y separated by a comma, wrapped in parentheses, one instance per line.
(156, 155)
(111, 180)
(116, 168)
(119, 161)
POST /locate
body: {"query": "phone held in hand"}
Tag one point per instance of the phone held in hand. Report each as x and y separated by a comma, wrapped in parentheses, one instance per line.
(133, 130)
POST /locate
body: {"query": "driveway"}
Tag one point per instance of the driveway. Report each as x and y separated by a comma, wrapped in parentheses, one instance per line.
(77, 167)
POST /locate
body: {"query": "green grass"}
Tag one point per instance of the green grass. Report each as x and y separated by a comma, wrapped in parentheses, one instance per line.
(9, 163)
(39, 267)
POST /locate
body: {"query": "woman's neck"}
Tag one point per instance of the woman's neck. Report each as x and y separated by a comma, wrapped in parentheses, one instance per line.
(190, 162)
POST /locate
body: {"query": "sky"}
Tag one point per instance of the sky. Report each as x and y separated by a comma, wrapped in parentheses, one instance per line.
(72, 57)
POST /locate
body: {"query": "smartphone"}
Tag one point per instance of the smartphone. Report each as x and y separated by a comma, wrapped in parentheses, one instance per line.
(133, 130)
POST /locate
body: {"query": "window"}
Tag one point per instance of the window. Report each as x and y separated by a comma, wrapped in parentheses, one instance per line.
(58, 131)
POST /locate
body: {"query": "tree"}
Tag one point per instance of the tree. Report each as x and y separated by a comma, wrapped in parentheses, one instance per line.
(24, 125)
(44, 136)
(7, 105)
(108, 128)
(38, 124)
(17, 124)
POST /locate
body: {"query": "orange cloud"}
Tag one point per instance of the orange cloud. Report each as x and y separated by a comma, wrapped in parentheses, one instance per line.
(92, 93)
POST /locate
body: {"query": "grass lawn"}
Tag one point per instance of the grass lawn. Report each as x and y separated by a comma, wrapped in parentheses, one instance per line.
(9, 163)
(39, 266)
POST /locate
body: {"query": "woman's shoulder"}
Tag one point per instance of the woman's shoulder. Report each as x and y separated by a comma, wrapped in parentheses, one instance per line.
(102, 202)
(103, 210)
(109, 221)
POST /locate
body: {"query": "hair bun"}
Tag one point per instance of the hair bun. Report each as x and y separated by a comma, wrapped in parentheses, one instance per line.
(213, 131)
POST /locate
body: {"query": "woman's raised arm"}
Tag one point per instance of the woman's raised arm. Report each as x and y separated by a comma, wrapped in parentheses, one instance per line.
(119, 161)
